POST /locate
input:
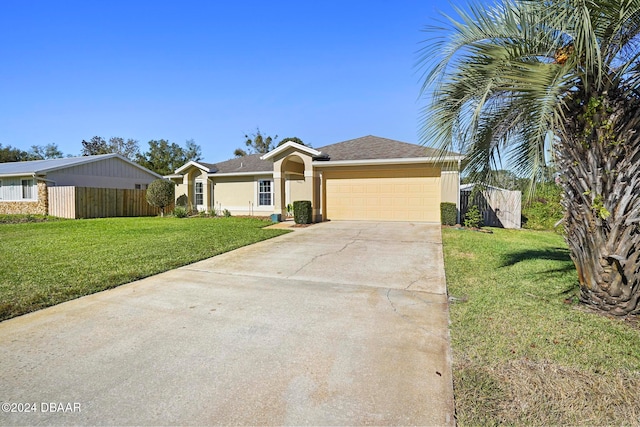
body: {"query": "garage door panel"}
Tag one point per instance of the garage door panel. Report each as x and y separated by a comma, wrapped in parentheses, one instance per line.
(414, 202)
(394, 197)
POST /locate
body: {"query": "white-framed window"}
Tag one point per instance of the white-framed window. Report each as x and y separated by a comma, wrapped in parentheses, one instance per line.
(199, 193)
(27, 189)
(265, 194)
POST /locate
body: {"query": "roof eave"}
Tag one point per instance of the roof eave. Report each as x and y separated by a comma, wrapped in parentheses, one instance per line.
(17, 175)
(406, 160)
(215, 174)
(192, 163)
(290, 144)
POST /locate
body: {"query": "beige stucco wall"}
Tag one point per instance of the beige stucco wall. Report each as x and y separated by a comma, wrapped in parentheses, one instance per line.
(450, 187)
(298, 189)
(293, 170)
(181, 190)
(239, 195)
(185, 189)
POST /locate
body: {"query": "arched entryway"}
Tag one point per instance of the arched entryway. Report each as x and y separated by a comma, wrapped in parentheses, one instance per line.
(294, 177)
(295, 182)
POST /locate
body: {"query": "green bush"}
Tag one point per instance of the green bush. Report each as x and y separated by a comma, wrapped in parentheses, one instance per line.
(160, 193)
(543, 211)
(473, 218)
(302, 212)
(448, 213)
(226, 213)
(23, 218)
(180, 212)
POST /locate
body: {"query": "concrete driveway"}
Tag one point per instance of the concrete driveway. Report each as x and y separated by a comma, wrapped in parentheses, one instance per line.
(340, 323)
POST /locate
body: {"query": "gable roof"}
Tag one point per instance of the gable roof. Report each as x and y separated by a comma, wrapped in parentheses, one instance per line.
(207, 167)
(42, 167)
(249, 163)
(365, 148)
(290, 144)
(375, 148)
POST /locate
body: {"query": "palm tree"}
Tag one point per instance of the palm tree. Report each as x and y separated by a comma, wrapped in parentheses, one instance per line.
(525, 77)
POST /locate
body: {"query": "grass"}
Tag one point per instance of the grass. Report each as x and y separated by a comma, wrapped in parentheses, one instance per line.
(46, 263)
(525, 351)
(20, 218)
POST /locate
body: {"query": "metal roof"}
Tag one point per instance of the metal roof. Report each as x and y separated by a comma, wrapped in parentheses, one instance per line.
(41, 167)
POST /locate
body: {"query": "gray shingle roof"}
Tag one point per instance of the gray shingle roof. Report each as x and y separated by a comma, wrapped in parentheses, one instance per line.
(43, 166)
(375, 148)
(250, 163)
(366, 148)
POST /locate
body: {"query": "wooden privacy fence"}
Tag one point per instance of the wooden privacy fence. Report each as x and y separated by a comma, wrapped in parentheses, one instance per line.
(86, 202)
(499, 207)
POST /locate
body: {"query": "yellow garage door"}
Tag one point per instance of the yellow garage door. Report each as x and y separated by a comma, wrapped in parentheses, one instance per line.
(394, 197)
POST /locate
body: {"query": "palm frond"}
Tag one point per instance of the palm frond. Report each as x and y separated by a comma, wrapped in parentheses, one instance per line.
(497, 86)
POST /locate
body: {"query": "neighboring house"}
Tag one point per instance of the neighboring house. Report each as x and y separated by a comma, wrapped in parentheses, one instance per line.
(499, 207)
(368, 178)
(23, 185)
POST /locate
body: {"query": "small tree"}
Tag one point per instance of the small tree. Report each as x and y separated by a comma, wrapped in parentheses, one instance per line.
(473, 217)
(161, 193)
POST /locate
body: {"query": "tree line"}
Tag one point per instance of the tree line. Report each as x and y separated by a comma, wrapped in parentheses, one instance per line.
(162, 157)
(36, 152)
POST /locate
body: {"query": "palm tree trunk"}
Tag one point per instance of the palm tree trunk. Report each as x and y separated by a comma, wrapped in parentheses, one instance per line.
(599, 155)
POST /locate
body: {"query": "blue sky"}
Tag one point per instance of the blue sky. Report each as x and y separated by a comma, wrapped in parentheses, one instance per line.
(324, 71)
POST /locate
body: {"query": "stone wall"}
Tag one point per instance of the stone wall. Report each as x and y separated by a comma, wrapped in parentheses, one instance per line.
(38, 207)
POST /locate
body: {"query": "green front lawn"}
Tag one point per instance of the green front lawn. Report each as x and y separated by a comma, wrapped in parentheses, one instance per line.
(46, 263)
(525, 351)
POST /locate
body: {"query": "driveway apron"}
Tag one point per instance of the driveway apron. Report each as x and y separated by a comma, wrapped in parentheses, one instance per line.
(340, 323)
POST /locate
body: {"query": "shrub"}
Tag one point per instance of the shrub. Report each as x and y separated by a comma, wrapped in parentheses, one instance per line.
(473, 218)
(302, 212)
(448, 213)
(180, 212)
(161, 193)
(22, 218)
(543, 211)
(226, 213)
